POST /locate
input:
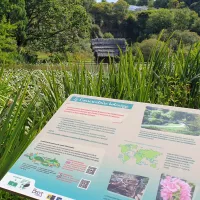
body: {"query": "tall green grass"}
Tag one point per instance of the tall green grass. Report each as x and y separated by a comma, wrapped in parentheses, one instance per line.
(169, 78)
(4, 88)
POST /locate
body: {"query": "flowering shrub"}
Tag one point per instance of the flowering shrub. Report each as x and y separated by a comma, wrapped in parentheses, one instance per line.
(175, 189)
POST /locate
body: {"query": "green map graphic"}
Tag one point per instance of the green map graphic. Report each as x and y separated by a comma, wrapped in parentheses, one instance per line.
(48, 162)
(141, 155)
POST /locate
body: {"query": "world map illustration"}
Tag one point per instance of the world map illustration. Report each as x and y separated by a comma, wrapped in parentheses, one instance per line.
(139, 154)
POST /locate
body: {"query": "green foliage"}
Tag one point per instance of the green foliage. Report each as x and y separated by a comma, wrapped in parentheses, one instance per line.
(131, 2)
(189, 2)
(58, 27)
(187, 37)
(51, 26)
(5, 89)
(196, 7)
(142, 2)
(137, 26)
(161, 3)
(196, 26)
(96, 31)
(8, 45)
(176, 19)
(140, 25)
(14, 11)
(146, 47)
(151, 4)
(175, 89)
(173, 4)
(27, 56)
(109, 15)
(159, 20)
(183, 18)
(108, 35)
(130, 27)
(102, 13)
(8, 196)
(54, 25)
(17, 16)
(88, 4)
(120, 9)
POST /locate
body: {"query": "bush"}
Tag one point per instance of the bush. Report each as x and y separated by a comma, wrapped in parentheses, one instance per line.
(80, 56)
(8, 44)
(96, 31)
(182, 19)
(187, 37)
(108, 35)
(57, 58)
(28, 56)
(147, 46)
(196, 26)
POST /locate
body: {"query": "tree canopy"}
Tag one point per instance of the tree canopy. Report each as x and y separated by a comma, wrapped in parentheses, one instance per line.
(8, 44)
(61, 26)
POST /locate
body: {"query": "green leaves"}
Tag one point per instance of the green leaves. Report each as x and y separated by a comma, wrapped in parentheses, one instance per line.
(15, 13)
(8, 44)
(20, 121)
(13, 120)
(5, 89)
(56, 25)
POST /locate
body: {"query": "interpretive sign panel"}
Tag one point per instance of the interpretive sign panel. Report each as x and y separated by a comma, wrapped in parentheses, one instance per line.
(105, 149)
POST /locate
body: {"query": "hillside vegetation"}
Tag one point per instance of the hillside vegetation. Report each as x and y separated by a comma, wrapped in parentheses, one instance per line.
(50, 31)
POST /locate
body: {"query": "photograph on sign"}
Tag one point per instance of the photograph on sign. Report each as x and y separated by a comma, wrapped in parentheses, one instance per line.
(171, 121)
(172, 187)
(128, 185)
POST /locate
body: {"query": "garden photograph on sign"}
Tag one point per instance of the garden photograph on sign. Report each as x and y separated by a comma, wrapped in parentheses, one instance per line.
(99, 99)
(171, 121)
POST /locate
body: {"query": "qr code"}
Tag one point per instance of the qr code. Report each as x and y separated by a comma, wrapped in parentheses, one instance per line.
(84, 184)
(91, 170)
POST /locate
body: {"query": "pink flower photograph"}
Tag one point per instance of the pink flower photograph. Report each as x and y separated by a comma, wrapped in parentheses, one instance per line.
(174, 188)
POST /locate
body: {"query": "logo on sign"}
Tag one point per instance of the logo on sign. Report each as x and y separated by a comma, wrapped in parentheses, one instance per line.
(51, 197)
(25, 184)
(12, 183)
(37, 192)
